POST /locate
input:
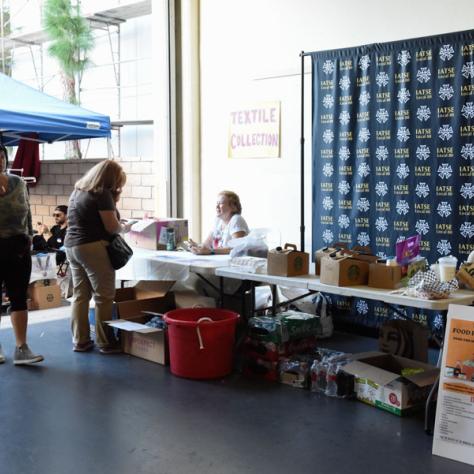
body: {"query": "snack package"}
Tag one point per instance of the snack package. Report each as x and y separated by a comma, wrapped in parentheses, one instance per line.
(408, 249)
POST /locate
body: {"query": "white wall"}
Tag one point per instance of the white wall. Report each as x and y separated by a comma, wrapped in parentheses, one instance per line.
(246, 48)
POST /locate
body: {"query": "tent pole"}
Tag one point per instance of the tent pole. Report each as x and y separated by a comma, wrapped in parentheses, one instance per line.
(302, 226)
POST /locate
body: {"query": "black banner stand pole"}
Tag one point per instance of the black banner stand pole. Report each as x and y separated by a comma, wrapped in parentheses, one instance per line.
(302, 227)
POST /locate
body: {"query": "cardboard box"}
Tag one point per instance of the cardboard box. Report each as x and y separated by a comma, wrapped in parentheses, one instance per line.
(44, 297)
(151, 233)
(287, 262)
(144, 296)
(384, 276)
(142, 341)
(190, 299)
(45, 282)
(379, 381)
(319, 254)
(344, 271)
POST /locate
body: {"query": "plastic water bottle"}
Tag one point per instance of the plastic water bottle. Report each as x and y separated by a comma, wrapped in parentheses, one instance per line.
(331, 387)
(170, 239)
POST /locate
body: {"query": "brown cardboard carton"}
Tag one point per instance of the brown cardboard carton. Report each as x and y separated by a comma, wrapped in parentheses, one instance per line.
(142, 341)
(287, 261)
(45, 282)
(319, 254)
(144, 296)
(381, 380)
(344, 271)
(384, 276)
(44, 297)
(152, 233)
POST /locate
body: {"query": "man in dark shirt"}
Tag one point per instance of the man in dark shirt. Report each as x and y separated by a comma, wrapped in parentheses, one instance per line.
(53, 240)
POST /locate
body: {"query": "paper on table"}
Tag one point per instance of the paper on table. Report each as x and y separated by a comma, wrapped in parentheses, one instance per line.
(127, 325)
(141, 225)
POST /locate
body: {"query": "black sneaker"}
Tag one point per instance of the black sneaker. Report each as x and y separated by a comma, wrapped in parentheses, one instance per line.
(24, 356)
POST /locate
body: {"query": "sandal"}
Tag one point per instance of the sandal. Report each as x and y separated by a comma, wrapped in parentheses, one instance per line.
(83, 346)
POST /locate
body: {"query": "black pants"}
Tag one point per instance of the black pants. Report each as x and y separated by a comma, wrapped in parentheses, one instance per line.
(15, 269)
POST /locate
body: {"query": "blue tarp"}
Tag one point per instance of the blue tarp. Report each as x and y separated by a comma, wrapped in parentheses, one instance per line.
(24, 110)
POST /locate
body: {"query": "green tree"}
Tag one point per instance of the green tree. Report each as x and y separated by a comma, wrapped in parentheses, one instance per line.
(71, 41)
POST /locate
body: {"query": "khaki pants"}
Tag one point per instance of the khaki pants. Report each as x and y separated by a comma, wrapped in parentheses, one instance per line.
(92, 274)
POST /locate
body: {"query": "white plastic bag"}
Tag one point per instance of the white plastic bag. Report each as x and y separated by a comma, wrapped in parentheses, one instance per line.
(253, 245)
(43, 267)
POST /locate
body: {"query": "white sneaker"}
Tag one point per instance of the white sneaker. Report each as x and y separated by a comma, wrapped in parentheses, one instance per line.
(2, 355)
(24, 356)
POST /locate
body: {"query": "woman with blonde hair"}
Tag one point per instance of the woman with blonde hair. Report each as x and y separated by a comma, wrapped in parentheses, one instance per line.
(93, 220)
(229, 224)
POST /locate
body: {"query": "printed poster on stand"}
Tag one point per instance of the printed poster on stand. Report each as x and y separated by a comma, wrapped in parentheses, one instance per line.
(454, 426)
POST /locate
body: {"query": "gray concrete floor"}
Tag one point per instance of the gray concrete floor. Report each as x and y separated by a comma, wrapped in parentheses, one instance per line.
(88, 413)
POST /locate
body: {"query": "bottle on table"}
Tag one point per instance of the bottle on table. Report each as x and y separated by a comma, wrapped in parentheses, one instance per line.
(170, 239)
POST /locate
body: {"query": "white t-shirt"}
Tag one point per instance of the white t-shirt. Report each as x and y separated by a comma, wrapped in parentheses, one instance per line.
(223, 232)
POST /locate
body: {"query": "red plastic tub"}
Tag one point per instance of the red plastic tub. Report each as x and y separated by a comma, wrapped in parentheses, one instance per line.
(201, 342)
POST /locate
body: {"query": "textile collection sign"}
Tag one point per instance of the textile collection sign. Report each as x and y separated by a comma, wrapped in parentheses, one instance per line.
(393, 147)
(254, 131)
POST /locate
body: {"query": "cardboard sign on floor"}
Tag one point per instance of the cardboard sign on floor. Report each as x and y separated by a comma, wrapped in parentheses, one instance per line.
(454, 428)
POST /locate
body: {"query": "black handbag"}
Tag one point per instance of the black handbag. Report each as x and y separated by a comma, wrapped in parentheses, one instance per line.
(119, 252)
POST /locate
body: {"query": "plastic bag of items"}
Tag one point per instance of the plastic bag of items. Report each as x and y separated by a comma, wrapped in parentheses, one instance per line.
(294, 370)
(286, 326)
(252, 245)
(43, 267)
(427, 285)
(318, 304)
(328, 376)
(249, 264)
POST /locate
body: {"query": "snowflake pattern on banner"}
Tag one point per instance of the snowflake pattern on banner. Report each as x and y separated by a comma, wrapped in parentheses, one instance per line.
(422, 227)
(403, 58)
(362, 307)
(445, 132)
(423, 152)
(363, 170)
(444, 247)
(382, 79)
(364, 135)
(423, 113)
(444, 209)
(328, 67)
(381, 188)
(467, 190)
(446, 91)
(445, 171)
(422, 190)
(344, 83)
(402, 207)
(328, 203)
(328, 170)
(344, 117)
(363, 239)
(343, 221)
(328, 101)
(467, 151)
(468, 70)
(344, 188)
(403, 134)
(344, 153)
(381, 116)
(467, 110)
(364, 62)
(328, 236)
(401, 151)
(381, 153)
(446, 52)
(403, 95)
(403, 171)
(467, 230)
(381, 224)
(328, 136)
(423, 75)
(363, 204)
(364, 98)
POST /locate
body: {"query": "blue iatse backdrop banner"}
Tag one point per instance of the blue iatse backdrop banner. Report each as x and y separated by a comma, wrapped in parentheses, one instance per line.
(393, 151)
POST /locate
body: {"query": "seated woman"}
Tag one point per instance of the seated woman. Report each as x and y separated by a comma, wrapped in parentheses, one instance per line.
(229, 224)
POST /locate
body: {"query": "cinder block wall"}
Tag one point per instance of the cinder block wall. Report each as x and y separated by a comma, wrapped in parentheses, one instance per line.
(58, 178)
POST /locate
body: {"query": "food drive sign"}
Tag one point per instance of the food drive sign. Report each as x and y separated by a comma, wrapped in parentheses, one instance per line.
(254, 132)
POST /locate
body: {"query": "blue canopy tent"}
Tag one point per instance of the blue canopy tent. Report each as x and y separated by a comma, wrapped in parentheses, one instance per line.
(24, 110)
